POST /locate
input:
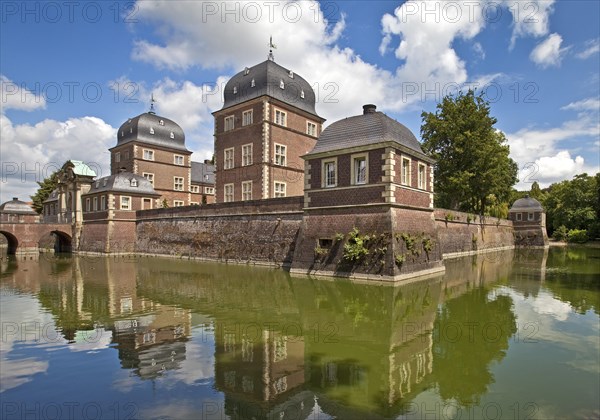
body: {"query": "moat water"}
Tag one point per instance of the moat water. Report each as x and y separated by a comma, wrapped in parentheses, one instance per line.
(510, 335)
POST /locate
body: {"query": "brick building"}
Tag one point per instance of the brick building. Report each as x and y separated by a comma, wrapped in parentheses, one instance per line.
(267, 122)
(529, 222)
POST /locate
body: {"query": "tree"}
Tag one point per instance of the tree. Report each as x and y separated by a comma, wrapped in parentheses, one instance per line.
(45, 188)
(472, 156)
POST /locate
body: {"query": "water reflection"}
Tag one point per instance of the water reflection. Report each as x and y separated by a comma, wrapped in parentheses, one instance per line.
(274, 346)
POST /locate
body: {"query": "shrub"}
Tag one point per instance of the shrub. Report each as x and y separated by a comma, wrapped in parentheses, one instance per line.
(561, 233)
(356, 248)
(399, 258)
(577, 236)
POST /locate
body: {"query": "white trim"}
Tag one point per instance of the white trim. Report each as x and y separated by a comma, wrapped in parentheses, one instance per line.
(150, 153)
(149, 178)
(275, 189)
(324, 173)
(228, 123)
(275, 154)
(308, 125)
(283, 117)
(251, 119)
(175, 178)
(182, 160)
(225, 187)
(245, 184)
(244, 155)
(422, 181)
(129, 205)
(403, 181)
(353, 170)
(231, 161)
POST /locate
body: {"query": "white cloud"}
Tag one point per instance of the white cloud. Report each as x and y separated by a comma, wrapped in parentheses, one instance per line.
(530, 18)
(592, 47)
(478, 48)
(548, 53)
(15, 96)
(589, 104)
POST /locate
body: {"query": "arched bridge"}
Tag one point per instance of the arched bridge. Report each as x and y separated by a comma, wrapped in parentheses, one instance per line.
(25, 237)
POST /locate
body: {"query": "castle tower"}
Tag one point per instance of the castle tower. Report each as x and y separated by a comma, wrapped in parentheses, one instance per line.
(267, 122)
(529, 221)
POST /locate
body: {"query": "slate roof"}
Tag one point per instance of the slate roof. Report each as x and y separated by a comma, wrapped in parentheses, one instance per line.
(267, 77)
(16, 206)
(527, 204)
(365, 129)
(139, 129)
(203, 173)
(122, 183)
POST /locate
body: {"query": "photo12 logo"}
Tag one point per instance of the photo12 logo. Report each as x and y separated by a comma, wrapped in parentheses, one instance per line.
(68, 11)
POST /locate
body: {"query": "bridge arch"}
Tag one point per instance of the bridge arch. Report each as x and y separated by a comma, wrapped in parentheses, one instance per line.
(63, 241)
(13, 242)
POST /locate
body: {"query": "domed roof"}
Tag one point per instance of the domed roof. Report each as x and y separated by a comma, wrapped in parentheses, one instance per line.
(371, 127)
(152, 129)
(125, 182)
(526, 203)
(269, 78)
(16, 206)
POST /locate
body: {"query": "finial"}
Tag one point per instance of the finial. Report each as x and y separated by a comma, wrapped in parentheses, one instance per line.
(152, 101)
(271, 48)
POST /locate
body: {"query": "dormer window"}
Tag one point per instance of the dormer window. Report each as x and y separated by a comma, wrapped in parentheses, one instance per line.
(172, 135)
(281, 84)
(235, 90)
(121, 134)
(161, 122)
(291, 74)
(252, 83)
(246, 71)
(302, 93)
(130, 130)
(151, 130)
(104, 182)
(97, 184)
(133, 182)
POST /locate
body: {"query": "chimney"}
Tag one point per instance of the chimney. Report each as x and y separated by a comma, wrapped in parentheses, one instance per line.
(207, 161)
(15, 199)
(369, 109)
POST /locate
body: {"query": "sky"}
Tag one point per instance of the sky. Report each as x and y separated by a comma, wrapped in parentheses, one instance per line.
(72, 72)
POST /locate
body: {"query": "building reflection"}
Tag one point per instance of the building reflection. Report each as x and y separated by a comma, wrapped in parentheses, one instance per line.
(292, 347)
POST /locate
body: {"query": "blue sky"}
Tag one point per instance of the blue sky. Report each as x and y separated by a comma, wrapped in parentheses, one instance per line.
(73, 72)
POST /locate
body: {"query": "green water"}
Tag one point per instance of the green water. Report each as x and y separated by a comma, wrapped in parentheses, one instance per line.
(511, 335)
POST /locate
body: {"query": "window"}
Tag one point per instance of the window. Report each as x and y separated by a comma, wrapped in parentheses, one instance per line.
(302, 93)
(329, 173)
(252, 83)
(195, 189)
(359, 169)
(148, 154)
(247, 117)
(291, 74)
(530, 216)
(104, 181)
(311, 129)
(405, 179)
(228, 159)
(151, 130)
(178, 183)
(118, 157)
(103, 202)
(246, 71)
(146, 203)
(95, 203)
(161, 122)
(229, 123)
(209, 190)
(133, 182)
(279, 189)
(235, 90)
(149, 177)
(125, 203)
(178, 203)
(422, 177)
(228, 192)
(280, 152)
(87, 204)
(247, 154)
(247, 190)
(172, 135)
(281, 84)
(178, 160)
(519, 217)
(126, 155)
(280, 117)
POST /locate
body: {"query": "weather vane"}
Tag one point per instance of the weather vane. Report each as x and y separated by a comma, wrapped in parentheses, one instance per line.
(152, 101)
(271, 48)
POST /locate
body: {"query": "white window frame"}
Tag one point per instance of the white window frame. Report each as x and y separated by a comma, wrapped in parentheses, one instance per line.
(277, 194)
(178, 203)
(247, 154)
(149, 176)
(122, 202)
(324, 178)
(118, 157)
(246, 190)
(422, 178)
(178, 186)
(229, 123)
(195, 189)
(95, 201)
(519, 217)
(280, 159)
(247, 117)
(280, 117)
(309, 125)
(353, 173)
(148, 154)
(228, 193)
(87, 205)
(177, 158)
(144, 201)
(209, 190)
(530, 217)
(229, 163)
(103, 202)
(405, 178)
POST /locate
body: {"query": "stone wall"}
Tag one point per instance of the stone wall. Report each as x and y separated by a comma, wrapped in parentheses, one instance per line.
(464, 233)
(261, 232)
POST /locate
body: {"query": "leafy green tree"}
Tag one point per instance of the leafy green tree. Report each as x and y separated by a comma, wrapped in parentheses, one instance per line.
(45, 188)
(472, 155)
